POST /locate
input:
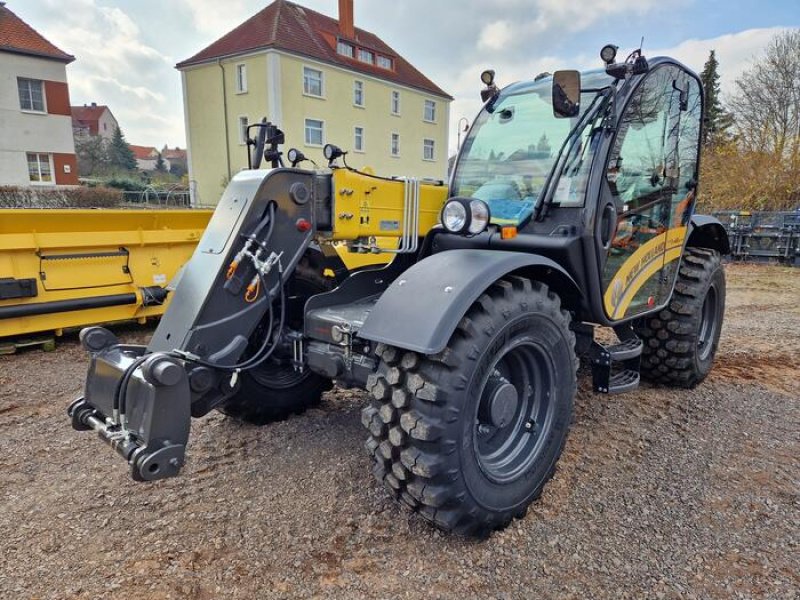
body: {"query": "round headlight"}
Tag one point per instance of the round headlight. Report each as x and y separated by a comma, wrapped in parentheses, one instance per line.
(331, 152)
(454, 216)
(608, 53)
(479, 220)
(294, 155)
(487, 77)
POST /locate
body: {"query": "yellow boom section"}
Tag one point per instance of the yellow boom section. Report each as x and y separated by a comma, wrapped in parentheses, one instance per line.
(372, 207)
(70, 256)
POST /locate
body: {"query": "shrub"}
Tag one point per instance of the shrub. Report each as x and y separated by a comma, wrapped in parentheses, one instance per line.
(77, 197)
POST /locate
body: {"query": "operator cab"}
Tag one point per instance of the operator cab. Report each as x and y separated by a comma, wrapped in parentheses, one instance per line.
(573, 165)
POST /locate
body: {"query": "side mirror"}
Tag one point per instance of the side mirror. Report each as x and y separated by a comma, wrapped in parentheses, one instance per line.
(566, 94)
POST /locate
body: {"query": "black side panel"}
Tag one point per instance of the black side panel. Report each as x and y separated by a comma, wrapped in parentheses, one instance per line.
(708, 232)
(420, 310)
(17, 288)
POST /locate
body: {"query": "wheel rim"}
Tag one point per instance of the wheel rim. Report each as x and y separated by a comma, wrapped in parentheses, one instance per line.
(515, 412)
(708, 324)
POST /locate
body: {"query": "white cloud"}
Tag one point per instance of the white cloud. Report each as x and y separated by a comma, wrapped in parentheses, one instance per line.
(116, 67)
(735, 53)
(215, 18)
(495, 35)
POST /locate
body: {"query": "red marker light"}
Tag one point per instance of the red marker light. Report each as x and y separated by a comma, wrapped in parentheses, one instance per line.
(651, 301)
(303, 225)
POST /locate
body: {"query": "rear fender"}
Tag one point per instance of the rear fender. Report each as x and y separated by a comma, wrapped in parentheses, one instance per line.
(708, 232)
(421, 309)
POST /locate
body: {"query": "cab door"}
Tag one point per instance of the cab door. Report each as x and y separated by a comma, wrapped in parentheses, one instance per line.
(651, 175)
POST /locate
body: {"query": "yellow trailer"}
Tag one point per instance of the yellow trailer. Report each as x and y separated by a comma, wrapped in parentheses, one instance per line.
(73, 267)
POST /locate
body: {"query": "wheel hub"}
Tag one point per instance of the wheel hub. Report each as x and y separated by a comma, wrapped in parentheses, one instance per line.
(500, 401)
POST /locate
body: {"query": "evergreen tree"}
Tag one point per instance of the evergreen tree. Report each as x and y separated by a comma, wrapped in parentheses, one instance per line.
(119, 152)
(161, 166)
(716, 119)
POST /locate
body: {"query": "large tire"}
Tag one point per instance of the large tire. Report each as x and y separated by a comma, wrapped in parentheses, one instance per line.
(442, 446)
(680, 342)
(274, 391)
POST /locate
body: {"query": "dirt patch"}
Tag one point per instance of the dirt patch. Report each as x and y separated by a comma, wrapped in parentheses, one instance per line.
(660, 493)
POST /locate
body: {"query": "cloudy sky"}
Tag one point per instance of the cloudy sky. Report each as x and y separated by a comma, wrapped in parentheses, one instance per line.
(126, 50)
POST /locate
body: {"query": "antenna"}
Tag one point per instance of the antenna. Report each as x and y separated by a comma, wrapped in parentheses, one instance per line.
(641, 45)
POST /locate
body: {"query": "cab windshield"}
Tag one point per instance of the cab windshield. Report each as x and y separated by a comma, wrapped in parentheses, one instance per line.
(510, 151)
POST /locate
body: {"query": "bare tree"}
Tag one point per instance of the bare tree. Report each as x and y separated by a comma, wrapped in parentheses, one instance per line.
(766, 104)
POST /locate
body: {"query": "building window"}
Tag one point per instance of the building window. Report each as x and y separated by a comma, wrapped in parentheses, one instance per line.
(345, 49)
(358, 93)
(31, 94)
(366, 56)
(312, 82)
(243, 123)
(395, 144)
(314, 132)
(430, 111)
(358, 142)
(39, 169)
(241, 79)
(395, 102)
(384, 62)
(428, 150)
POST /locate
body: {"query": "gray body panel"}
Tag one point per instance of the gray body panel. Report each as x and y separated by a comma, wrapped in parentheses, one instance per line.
(209, 259)
(420, 310)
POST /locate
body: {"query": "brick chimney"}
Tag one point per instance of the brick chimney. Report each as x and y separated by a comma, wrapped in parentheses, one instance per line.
(346, 26)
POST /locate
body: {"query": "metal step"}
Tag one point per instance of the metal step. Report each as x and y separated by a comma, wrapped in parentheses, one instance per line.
(615, 368)
(624, 381)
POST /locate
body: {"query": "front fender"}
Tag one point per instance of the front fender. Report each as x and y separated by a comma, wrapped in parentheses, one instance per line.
(421, 309)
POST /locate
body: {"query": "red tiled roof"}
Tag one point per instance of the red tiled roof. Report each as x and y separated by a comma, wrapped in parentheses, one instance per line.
(88, 113)
(144, 152)
(291, 27)
(173, 153)
(17, 36)
(88, 116)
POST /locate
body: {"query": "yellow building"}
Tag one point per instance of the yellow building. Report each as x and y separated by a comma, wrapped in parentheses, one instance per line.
(320, 80)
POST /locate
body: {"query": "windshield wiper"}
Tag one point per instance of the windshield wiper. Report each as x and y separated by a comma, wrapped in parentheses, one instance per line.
(545, 199)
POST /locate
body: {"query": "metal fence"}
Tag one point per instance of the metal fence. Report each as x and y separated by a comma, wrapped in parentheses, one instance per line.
(763, 236)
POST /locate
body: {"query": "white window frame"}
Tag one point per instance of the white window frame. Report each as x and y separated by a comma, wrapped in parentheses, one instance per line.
(243, 122)
(388, 60)
(367, 53)
(305, 132)
(392, 136)
(306, 92)
(38, 156)
(391, 103)
(425, 111)
(356, 89)
(340, 44)
(241, 78)
(30, 97)
(425, 147)
(356, 147)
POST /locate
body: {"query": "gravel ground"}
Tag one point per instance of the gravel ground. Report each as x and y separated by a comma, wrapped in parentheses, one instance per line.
(659, 493)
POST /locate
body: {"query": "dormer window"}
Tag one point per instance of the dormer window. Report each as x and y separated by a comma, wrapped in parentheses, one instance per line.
(366, 56)
(346, 49)
(384, 62)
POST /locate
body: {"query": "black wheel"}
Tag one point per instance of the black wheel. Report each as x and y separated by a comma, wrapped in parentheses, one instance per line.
(469, 437)
(274, 390)
(680, 342)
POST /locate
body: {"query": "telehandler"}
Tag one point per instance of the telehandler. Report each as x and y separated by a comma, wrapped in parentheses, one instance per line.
(570, 207)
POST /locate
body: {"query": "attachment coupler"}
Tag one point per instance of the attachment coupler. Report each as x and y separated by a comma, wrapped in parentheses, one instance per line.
(138, 403)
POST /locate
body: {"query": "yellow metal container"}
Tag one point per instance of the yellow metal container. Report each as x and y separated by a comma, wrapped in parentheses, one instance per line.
(88, 254)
